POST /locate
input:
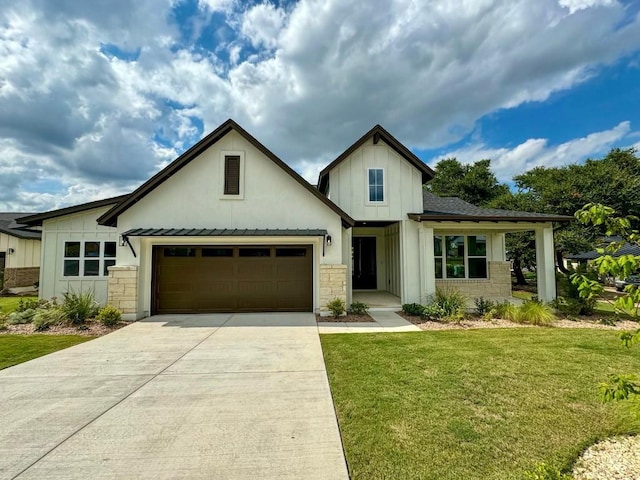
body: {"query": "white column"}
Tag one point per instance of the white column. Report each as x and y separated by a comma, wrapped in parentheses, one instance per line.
(545, 263)
(427, 264)
(497, 247)
(347, 239)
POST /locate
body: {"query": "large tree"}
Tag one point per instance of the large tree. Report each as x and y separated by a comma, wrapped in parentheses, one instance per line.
(474, 183)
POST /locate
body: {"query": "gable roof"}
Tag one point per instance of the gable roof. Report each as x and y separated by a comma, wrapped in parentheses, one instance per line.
(9, 226)
(38, 218)
(110, 218)
(378, 133)
(625, 249)
(455, 209)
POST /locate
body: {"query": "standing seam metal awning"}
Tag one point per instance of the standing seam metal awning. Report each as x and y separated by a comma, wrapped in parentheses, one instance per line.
(223, 232)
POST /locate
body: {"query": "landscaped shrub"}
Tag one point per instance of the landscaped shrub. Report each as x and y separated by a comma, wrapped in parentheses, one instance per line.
(337, 307)
(359, 308)
(45, 318)
(79, 306)
(504, 310)
(432, 311)
(109, 315)
(570, 301)
(413, 309)
(27, 304)
(452, 302)
(19, 318)
(483, 306)
(535, 313)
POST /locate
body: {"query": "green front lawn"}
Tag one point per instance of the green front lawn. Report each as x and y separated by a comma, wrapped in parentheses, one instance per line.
(475, 404)
(9, 304)
(16, 349)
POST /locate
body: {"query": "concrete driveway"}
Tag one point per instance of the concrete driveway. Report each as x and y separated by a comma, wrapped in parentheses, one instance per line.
(203, 396)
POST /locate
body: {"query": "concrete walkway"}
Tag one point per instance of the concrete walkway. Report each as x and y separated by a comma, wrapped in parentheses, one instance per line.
(382, 322)
(207, 396)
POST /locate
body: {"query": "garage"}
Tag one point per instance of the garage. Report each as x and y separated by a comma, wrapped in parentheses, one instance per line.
(232, 278)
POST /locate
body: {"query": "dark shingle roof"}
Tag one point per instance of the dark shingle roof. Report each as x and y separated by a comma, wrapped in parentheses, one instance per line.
(626, 249)
(437, 208)
(9, 226)
(38, 218)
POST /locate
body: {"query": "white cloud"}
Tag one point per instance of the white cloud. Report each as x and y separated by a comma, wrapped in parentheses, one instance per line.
(536, 152)
(576, 5)
(262, 24)
(318, 74)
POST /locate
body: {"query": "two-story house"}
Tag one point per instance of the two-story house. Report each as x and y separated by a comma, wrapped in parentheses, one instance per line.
(230, 227)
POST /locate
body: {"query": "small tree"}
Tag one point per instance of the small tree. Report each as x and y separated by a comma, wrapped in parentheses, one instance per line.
(619, 387)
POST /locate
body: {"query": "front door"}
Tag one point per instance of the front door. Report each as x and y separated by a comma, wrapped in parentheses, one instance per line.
(2, 260)
(364, 263)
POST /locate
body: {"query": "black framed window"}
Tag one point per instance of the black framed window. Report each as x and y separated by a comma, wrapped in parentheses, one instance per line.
(88, 258)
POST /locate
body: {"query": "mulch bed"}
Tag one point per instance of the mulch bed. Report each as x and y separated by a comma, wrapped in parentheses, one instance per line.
(91, 328)
(614, 459)
(344, 318)
(477, 322)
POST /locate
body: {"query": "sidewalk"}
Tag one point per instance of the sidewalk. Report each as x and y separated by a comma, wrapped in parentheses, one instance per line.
(383, 322)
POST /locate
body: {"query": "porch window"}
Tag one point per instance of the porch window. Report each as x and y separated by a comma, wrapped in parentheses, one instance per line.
(88, 258)
(460, 256)
(376, 185)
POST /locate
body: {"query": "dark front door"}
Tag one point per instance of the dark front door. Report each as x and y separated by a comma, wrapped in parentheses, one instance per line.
(2, 260)
(364, 263)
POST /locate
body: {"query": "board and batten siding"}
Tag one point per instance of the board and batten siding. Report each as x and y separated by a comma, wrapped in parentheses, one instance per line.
(26, 252)
(73, 227)
(348, 183)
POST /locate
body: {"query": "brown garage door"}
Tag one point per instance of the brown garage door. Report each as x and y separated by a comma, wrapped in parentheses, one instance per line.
(232, 279)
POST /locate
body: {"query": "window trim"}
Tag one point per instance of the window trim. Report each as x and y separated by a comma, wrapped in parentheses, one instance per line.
(443, 256)
(368, 200)
(81, 258)
(222, 171)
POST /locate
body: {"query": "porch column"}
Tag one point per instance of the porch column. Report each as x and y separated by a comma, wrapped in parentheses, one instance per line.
(427, 263)
(545, 263)
(347, 259)
(497, 247)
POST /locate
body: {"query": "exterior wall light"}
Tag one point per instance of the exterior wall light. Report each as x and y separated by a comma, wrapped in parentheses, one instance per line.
(329, 240)
(11, 250)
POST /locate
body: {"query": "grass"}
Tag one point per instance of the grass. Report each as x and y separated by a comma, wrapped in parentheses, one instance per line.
(476, 404)
(16, 349)
(10, 304)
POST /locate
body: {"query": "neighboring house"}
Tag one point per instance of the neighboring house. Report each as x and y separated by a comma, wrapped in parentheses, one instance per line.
(19, 252)
(228, 226)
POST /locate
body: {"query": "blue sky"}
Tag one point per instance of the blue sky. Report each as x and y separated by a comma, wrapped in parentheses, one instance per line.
(97, 96)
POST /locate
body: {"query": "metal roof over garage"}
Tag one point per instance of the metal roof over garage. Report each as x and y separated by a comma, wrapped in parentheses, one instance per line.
(223, 232)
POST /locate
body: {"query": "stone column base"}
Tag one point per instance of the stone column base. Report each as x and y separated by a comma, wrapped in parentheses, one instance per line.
(21, 277)
(122, 290)
(333, 284)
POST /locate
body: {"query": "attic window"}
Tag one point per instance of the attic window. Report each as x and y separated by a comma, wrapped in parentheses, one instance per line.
(232, 175)
(376, 185)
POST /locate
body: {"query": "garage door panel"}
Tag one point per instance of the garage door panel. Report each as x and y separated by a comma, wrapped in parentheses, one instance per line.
(232, 278)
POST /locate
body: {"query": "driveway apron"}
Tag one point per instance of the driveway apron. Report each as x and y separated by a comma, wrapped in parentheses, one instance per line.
(204, 396)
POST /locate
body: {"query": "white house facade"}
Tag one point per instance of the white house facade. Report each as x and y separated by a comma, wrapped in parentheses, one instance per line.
(228, 227)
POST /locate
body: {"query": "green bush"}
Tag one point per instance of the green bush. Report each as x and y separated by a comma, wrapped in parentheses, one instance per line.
(543, 471)
(452, 302)
(483, 306)
(432, 311)
(27, 304)
(337, 307)
(79, 306)
(359, 308)
(109, 315)
(413, 309)
(21, 317)
(47, 317)
(570, 301)
(504, 310)
(535, 313)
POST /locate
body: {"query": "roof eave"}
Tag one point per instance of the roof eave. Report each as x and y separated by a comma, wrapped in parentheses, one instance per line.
(38, 218)
(487, 218)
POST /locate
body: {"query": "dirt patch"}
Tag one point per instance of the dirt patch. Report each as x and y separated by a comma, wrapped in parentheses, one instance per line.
(91, 328)
(344, 318)
(478, 322)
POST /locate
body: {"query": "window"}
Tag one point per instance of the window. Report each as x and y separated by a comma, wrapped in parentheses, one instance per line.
(460, 256)
(88, 258)
(217, 252)
(255, 252)
(232, 175)
(291, 252)
(376, 185)
(179, 252)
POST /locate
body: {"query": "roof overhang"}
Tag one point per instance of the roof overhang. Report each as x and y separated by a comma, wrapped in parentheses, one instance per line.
(378, 133)
(445, 217)
(110, 218)
(37, 219)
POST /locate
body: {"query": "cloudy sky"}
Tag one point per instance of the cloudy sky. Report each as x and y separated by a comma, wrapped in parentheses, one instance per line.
(96, 96)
